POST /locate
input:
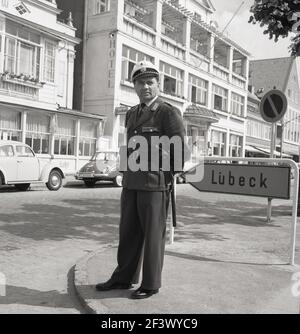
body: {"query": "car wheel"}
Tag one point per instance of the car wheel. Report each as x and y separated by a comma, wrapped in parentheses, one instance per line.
(89, 183)
(118, 180)
(55, 181)
(1, 179)
(22, 187)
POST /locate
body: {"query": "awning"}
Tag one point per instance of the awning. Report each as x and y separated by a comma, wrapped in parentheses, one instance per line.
(252, 149)
(266, 151)
(199, 114)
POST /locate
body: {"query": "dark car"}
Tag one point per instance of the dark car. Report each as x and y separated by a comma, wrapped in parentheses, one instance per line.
(103, 166)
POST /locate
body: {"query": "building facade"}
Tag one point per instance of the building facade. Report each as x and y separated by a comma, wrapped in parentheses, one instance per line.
(203, 73)
(281, 74)
(37, 53)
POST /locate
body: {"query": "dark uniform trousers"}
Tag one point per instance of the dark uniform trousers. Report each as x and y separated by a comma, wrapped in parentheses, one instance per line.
(142, 228)
(144, 202)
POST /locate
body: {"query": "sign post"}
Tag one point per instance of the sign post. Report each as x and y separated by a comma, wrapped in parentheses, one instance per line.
(273, 107)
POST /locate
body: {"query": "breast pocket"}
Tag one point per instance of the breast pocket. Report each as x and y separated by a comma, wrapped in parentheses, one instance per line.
(150, 130)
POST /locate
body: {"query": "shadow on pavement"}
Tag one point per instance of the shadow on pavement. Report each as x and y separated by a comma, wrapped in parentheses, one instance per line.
(98, 219)
(26, 296)
(205, 259)
(93, 219)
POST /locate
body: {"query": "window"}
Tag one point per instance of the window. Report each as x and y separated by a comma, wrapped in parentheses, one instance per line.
(49, 61)
(220, 98)
(237, 105)
(23, 151)
(38, 133)
(10, 125)
(22, 51)
(198, 89)
(129, 59)
(171, 80)
(88, 138)
(292, 126)
(6, 151)
(218, 143)
(238, 66)
(21, 8)
(101, 6)
(235, 146)
(64, 143)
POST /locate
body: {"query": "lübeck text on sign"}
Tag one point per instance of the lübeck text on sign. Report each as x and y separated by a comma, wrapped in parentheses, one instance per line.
(242, 181)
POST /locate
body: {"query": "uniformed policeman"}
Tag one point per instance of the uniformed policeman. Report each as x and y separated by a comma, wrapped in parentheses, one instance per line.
(145, 195)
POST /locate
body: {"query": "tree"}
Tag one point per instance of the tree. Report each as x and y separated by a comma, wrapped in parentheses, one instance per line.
(281, 18)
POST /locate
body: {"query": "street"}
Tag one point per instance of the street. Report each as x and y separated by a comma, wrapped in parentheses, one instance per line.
(43, 234)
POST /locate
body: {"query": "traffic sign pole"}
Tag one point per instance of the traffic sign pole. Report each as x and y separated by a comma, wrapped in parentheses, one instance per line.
(273, 107)
(272, 149)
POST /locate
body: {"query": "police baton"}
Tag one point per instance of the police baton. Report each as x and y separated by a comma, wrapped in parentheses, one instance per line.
(173, 202)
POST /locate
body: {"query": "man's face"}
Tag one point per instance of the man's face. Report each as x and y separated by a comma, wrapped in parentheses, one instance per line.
(146, 88)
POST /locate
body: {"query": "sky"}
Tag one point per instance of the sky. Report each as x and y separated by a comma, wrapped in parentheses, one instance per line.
(248, 36)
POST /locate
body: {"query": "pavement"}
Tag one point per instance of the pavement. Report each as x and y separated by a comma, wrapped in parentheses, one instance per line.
(225, 259)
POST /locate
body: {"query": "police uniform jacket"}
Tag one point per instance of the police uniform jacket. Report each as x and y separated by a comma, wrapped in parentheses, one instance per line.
(161, 119)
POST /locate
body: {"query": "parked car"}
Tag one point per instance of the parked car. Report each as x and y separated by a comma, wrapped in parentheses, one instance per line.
(103, 166)
(20, 167)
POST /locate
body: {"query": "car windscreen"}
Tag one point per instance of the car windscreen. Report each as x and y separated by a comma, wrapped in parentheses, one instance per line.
(105, 156)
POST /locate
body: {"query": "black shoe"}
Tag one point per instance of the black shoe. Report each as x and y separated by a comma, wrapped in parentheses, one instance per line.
(141, 293)
(112, 286)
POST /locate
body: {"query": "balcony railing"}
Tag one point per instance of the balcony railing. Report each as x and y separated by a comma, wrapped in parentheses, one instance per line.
(238, 82)
(139, 31)
(221, 72)
(199, 61)
(172, 48)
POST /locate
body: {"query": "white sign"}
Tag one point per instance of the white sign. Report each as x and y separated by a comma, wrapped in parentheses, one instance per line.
(263, 181)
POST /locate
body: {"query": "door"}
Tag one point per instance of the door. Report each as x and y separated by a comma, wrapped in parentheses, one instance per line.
(27, 164)
(8, 163)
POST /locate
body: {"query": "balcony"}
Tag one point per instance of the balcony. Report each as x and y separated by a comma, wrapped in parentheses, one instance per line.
(239, 64)
(200, 40)
(140, 11)
(221, 53)
(172, 23)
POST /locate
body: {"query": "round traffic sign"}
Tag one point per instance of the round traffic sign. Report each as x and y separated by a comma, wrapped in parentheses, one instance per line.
(273, 106)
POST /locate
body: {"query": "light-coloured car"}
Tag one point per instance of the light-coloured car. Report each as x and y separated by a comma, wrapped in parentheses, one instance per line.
(103, 166)
(20, 166)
